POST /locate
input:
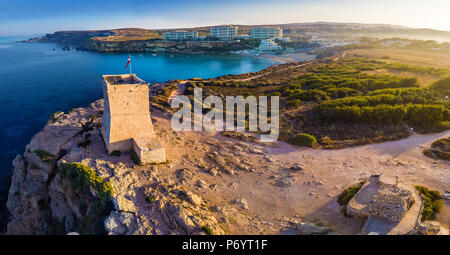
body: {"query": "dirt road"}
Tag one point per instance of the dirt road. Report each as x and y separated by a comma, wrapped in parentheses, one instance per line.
(276, 195)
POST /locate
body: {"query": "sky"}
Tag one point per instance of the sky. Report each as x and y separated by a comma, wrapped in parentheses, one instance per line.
(31, 17)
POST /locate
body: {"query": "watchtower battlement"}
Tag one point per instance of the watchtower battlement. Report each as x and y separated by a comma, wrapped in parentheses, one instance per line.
(126, 118)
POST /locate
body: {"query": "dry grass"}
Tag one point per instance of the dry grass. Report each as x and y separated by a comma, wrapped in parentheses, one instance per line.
(134, 34)
(411, 57)
(423, 80)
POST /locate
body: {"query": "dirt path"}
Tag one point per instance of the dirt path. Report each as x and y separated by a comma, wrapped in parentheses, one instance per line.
(264, 74)
(182, 84)
(276, 195)
(178, 92)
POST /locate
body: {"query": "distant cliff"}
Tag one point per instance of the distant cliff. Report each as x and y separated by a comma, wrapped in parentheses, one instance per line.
(165, 46)
(99, 41)
(74, 38)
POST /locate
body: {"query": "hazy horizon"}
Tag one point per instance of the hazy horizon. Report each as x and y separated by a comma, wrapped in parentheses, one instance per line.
(25, 17)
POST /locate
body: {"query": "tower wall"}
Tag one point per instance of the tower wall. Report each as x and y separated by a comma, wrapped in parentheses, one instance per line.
(126, 113)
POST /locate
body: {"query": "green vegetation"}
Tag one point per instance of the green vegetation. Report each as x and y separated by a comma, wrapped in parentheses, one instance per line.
(439, 149)
(432, 202)
(150, 199)
(92, 117)
(135, 158)
(208, 230)
(373, 43)
(45, 155)
(349, 193)
(304, 140)
(82, 178)
(418, 107)
(443, 86)
(294, 103)
(116, 153)
(417, 69)
(161, 97)
(350, 101)
(54, 117)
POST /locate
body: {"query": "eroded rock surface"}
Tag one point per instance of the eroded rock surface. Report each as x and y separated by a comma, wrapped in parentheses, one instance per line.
(210, 184)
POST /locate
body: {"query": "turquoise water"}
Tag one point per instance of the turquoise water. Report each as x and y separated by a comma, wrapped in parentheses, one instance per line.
(36, 80)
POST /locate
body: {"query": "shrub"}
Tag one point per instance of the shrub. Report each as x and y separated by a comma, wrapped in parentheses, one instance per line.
(115, 153)
(82, 178)
(54, 117)
(304, 140)
(276, 94)
(416, 69)
(432, 202)
(342, 92)
(442, 149)
(92, 117)
(246, 94)
(45, 156)
(294, 103)
(208, 230)
(349, 193)
(314, 95)
(149, 199)
(442, 86)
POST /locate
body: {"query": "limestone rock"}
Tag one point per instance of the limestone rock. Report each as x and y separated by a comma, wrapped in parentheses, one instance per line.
(286, 181)
(297, 168)
(201, 184)
(308, 228)
(125, 223)
(184, 175)
(381, 197)
(430, 228)
(241, 202)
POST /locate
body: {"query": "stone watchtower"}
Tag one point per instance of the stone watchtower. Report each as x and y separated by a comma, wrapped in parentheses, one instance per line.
(126, 118)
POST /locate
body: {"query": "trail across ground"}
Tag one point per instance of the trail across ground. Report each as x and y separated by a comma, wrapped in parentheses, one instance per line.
(182, 84)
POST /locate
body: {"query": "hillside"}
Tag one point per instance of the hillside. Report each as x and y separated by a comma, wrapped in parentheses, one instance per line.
(342, 102)
(294, 30)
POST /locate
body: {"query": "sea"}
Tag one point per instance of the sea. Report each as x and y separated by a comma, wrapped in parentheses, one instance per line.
(37, 79)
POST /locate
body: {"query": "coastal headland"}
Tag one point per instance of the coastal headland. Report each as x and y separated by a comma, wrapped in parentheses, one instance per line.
(228, 182)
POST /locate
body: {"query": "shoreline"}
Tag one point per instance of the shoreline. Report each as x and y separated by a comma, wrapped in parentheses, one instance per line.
(282, 58)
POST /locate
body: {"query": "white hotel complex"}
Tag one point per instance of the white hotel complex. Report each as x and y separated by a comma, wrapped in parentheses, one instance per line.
(267, 32)
(224, 32)
(180, 35)
(268, 45)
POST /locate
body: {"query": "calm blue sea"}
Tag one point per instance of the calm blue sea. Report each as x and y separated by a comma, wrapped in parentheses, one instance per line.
(36, 80)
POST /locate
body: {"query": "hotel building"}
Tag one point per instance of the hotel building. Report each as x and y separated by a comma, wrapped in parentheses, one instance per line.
(267, 32)
(224, 32)
(268, 45)
(180, 35)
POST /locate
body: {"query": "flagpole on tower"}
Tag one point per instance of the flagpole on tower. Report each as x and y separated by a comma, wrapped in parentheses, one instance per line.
(131, 73)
